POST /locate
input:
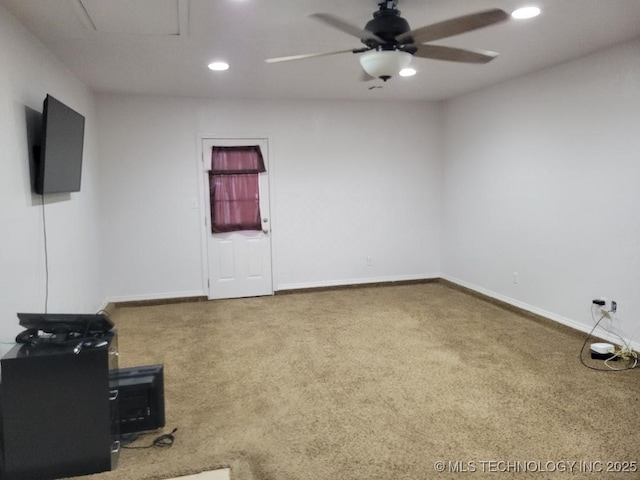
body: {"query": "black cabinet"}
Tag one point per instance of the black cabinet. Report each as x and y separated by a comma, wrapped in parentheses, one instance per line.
(57, 415)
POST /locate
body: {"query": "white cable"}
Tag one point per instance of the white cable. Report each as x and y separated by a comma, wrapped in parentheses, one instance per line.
(624, 344)
(606, 362)
(624, 349)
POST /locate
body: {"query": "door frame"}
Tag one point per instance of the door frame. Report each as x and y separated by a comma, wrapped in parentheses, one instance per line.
(203, 198)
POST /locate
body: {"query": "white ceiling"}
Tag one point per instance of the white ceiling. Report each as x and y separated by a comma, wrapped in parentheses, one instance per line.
(164, 46)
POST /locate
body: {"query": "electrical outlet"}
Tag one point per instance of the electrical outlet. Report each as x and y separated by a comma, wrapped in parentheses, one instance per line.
(603, 302)
(515, 278)
(369, 261)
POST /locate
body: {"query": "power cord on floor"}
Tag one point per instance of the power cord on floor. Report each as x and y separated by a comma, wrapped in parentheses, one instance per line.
(162, 441)
(624, 354)
(610, 329)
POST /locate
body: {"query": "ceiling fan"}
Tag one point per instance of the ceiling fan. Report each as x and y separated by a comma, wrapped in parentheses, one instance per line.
(390, 43)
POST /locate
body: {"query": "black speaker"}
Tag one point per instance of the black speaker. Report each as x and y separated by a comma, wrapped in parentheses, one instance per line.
(140, 397)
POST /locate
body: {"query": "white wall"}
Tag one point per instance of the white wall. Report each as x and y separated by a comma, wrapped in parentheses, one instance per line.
(27, 73)
(542, 178)
(349, 180)
(537, 176)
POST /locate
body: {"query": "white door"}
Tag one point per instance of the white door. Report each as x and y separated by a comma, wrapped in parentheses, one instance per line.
(239, 263)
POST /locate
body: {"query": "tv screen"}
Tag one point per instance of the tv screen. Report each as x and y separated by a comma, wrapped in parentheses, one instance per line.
(60, 167)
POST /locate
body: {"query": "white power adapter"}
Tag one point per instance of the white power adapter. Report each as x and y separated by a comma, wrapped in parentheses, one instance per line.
(602, 348)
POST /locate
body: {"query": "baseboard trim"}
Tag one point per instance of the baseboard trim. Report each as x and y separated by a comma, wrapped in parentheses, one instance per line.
(148, 302)
(352, 282)
(352, 286)
(529, 311)
(502, 301)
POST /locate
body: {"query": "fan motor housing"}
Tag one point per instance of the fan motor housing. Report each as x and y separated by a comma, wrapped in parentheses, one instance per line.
(387, 24)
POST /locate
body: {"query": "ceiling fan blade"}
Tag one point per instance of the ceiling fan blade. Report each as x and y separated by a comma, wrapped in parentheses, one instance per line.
(306, 55)
(346, 27)
(455, 26)
(438, 52)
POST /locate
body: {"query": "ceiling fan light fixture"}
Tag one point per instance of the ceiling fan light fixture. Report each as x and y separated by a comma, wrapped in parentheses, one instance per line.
(407, 72)
(384, 64)
(525, 12)
(218, 66)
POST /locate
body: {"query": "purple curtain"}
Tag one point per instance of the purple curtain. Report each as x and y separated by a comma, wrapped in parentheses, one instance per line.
(234, 188)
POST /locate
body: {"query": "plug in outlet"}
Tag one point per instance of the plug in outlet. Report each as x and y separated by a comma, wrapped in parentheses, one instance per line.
(606, 313)
(608, 308)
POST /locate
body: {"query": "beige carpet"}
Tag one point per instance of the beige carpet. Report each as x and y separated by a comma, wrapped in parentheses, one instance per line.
(375, 383)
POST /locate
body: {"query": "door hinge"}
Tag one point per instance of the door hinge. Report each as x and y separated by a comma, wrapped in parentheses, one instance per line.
(208, 285)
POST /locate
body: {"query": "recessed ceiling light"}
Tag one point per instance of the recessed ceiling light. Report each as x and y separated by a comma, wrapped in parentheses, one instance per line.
(219, 66)
(525, 12)
(407, 72)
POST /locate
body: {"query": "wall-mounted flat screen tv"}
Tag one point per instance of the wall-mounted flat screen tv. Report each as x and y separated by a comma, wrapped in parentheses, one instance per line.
(60, 160)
